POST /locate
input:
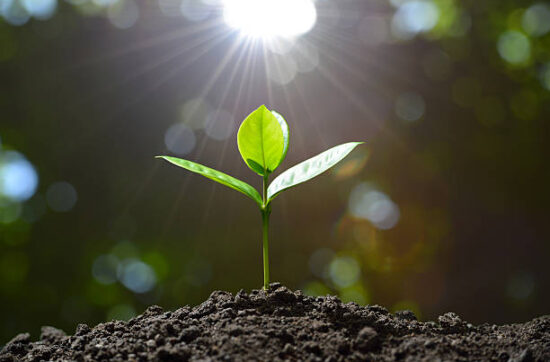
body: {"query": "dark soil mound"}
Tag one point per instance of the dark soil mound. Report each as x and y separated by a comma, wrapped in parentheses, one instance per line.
(285, 325)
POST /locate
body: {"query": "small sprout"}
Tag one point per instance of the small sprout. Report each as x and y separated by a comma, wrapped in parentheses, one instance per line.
(263, 143)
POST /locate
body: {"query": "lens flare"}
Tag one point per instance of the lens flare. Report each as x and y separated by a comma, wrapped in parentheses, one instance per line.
(270, 18)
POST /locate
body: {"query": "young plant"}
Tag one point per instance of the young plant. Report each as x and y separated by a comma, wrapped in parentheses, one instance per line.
(263, 143)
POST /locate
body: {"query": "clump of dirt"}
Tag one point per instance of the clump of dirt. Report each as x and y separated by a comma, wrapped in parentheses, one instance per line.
(285, 325)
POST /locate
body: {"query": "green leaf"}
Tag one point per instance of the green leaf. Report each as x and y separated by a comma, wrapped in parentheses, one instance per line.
(217, 176)
(261, 141)
(308, 169)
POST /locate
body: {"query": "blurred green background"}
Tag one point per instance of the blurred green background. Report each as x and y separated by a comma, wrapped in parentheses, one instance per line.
(444, 209)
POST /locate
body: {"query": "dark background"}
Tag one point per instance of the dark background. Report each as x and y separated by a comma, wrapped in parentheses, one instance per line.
(444, 209)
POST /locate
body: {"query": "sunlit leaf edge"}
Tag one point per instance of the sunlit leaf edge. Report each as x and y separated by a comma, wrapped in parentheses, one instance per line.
(286, 133)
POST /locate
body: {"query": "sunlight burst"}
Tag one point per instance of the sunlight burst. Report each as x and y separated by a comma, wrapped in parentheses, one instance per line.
(270, 18)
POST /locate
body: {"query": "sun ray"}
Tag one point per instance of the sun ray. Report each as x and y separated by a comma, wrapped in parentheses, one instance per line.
(356, 101)
(250, 47)
(170, 216)
(246, 48)
(270, 97)
(206, 89)
(175, 35)
(300, 91)
(210, 40)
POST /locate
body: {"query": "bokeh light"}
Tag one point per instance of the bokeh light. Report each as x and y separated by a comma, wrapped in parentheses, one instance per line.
(413, 17)
(352, 165)
(356, 293)
(61, 196)
(306, 57)
(40, 9)
(410, 106)
(171, 8)
(514, 47)
(137, 276)
(103, 3)
(123, 14)
(367, 202)
(316, 289)
(536, 19)
(125, 249)
(158, 262)
(344, 271)
(280, 45)
(14, 12)
(180, 139)
(219, 124)
(281, 69)
(194, 112)
(18, 178)
(105, 268)
(195, 10)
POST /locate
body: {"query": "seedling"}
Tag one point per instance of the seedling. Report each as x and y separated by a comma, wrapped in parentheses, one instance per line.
(263, 143)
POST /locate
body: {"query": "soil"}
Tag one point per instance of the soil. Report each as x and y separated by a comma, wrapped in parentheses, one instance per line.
(285, 325)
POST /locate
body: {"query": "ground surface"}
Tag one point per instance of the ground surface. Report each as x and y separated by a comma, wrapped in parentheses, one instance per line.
(285, 325)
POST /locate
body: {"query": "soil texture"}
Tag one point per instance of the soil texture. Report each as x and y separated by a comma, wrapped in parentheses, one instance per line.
(284, 325)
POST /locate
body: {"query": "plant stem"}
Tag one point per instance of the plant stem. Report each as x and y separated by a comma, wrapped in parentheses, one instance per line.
(266, 210)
